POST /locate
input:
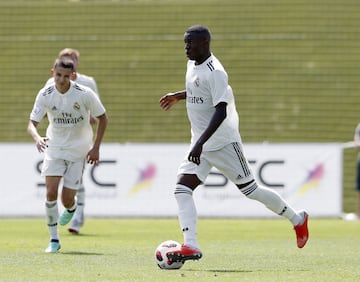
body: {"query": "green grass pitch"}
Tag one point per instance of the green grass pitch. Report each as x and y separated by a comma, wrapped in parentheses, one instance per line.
(234, 250)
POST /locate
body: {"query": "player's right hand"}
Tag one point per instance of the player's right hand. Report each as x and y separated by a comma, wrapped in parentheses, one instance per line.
(167, 101)
(41, 144)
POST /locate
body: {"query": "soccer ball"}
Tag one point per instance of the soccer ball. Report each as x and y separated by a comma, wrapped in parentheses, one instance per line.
(161, 258)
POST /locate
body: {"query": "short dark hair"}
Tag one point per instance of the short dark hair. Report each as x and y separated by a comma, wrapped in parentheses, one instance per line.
(64, 62)
(199, 31)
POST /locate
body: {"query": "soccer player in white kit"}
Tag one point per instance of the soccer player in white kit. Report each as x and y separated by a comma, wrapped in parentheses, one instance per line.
(78, 219)
(215, 142)
(68, 143)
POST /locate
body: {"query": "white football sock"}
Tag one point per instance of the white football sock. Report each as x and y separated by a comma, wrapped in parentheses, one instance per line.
(187, 214)
(80, 200)
(272, 200)
(52, 215)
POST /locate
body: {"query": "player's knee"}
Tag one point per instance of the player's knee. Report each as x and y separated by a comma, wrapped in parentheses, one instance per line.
(51, 195)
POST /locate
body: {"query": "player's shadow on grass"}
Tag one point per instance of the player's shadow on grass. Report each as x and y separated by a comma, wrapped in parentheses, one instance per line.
(228, 270)
(81, 253)
(221, 270)
(82, 235)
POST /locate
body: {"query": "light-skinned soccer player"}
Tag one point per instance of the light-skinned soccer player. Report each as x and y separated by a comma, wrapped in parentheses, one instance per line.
(215, 142)
(79, 218)
(69, 141)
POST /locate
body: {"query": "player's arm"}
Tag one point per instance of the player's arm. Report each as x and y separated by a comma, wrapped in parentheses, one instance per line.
(216, 120)
(93, 86)
(33, 132)
(170, 99)
(94, 154)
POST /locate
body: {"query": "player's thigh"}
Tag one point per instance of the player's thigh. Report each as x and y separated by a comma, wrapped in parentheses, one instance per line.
(201, 171)
(189, 180)
(231, 161)
(52, 187)
(53, 170)
(73, 174)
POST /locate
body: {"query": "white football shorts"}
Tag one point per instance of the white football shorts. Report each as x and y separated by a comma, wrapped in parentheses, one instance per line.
(70, 171)
(230, 160)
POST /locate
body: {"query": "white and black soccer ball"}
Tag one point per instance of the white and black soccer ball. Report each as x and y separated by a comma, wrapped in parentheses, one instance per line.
(160, 255)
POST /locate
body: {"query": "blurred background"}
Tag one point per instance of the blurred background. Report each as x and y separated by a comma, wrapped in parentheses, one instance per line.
(293, 65)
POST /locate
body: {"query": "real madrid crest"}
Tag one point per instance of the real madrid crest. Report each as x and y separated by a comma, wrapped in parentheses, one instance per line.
(76, 106)
(197, 82)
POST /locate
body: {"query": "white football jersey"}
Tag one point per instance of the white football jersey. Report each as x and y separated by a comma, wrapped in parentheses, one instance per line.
(81, 79)
(206, 86)
(69, 131)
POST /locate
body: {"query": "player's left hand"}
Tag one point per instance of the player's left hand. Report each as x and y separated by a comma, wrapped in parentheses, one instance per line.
(194, 155)
(93, 156)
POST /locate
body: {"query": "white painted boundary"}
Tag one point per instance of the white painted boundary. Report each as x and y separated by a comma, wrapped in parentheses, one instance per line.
(139, 179)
